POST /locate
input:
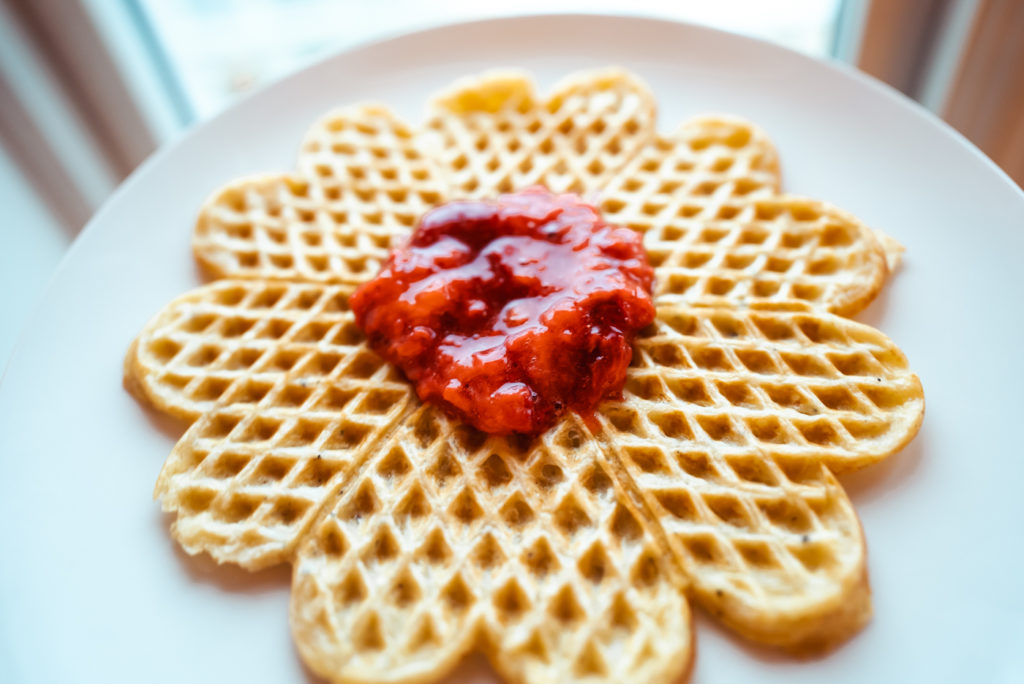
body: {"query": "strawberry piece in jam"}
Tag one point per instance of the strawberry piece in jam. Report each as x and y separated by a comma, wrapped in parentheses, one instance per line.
(509, 312)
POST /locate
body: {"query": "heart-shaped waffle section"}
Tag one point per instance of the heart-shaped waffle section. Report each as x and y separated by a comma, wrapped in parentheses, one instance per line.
(780, 249)
(709, 168)
(449, 541)
(491, 134)
(416, 539)
(712, 169)
(363, 182)
(730, 422)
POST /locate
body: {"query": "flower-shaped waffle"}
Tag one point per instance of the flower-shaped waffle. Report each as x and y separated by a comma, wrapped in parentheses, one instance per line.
(571, 556)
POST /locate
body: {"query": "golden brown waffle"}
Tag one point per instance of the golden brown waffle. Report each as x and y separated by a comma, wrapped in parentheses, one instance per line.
(416, 540)
(446, 541)
(363, 183)
(758, 401)
(777, 249)
(713, 177)
(728, 422)
(491, 134)
(450, 541)
(791, 381)
(286, 397)
(708, 169)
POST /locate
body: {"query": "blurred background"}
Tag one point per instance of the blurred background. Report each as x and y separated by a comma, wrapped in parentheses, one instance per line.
(89, 88)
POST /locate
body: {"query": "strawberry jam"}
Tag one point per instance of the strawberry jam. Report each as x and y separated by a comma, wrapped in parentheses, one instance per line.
(509, 312)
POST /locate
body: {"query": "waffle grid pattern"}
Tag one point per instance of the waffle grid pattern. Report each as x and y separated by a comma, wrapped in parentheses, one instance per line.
(491, 135)
(718, 232)
(363, 183)
(708, 169)
(808, 385)
(787, 250)
(288, 398)
(449, 540)
(728, 421)
(415, 539)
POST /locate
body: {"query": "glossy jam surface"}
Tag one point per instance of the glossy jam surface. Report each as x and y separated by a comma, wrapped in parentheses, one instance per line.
(509, 312)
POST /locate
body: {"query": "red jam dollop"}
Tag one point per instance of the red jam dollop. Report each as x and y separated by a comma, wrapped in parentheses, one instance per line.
(508, 312)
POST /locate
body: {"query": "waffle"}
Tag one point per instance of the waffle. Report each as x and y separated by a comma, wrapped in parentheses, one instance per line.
(707, 170)
(363, 182)
(490, 134)
(571, 557)
(730, 424)
(285, 397)
(706, 199)
(450, 541)
(762, 401)
(778, 249)
(542, 569)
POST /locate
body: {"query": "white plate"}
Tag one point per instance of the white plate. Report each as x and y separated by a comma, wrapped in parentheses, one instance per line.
(92, 589)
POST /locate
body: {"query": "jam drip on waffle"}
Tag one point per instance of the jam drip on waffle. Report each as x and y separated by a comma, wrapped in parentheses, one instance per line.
(509, 312)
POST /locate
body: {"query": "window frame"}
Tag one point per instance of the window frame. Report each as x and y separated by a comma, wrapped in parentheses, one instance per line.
(109, 78)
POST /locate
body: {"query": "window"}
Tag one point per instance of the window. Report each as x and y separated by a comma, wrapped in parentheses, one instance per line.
(219, 49)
